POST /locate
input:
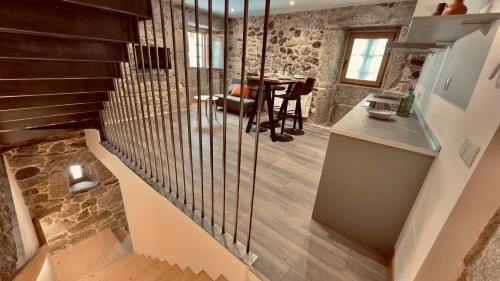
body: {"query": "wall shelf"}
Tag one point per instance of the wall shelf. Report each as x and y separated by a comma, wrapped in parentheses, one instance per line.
(431, 34)
(448, 29)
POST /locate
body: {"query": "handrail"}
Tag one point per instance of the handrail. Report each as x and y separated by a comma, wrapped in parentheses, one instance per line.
(31, 270)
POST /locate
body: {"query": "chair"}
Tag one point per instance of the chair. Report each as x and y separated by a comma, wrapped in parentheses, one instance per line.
(233, 103)
(297, 113)
(294, 95)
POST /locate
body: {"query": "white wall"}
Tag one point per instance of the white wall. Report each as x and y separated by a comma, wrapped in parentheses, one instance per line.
(448, 175)
(47, 271)
(28, 234)
(160, 230)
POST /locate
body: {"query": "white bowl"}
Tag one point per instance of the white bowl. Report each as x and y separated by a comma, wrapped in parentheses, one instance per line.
(381, 114)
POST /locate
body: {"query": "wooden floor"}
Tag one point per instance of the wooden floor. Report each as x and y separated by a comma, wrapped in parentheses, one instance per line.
(290, 245)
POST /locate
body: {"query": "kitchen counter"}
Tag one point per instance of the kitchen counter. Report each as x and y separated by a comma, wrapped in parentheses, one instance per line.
(372, 174)
(409, 133)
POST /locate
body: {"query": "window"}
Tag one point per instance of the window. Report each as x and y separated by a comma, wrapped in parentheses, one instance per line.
(365, 57)
(202, 46)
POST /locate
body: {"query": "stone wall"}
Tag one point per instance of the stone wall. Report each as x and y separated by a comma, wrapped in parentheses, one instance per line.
(192, 73)
(65, 218)
(483, 260)
(314, 43)
(8, 253)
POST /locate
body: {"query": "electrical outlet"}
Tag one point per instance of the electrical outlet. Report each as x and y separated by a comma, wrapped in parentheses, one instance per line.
(468, 152)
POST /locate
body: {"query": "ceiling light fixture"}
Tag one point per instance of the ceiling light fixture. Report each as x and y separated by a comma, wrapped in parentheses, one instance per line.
(292, 3)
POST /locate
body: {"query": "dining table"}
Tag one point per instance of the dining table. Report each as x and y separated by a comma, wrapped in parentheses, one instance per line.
(270, 81)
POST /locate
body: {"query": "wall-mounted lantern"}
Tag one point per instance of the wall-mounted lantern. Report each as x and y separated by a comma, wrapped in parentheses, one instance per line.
(80, 177)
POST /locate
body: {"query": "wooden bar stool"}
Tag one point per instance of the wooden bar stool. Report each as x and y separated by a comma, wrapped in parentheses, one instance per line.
(294, 95)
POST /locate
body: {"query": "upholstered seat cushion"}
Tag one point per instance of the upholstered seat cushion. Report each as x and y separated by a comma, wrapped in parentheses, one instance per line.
(233, 103)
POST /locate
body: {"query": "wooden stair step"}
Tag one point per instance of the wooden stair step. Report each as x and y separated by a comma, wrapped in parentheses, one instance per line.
(170, 274)
(46, 121)
(62, 19)
(46, 69)
(28, 113)
(96, 275)
(15, 137)
(28, 46)
(203, 276)
(139, 8)
(154, 272)
(54, 86)
(133, 269)
(10, 103)
(187, 275)
(73, 125)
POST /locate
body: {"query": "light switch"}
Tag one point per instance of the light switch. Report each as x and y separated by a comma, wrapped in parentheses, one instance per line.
(468, 152)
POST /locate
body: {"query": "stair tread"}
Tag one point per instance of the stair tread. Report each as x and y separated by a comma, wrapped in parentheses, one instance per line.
(131, 261)
(134, 269)
(170, 274)
(202, 276)
(96, 274)
(153, 272)
(187, 275)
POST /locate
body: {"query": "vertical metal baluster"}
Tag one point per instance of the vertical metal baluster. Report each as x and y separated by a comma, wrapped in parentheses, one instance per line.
(126, 126)
(105, 125)
(104, 131)
(119, 115)
(133, 133)
(112, 126)
(142, 108)
(224, 122)
(211, 117)
(259, 113)
(160, 94)
(240, 125)
(149, 110)
(176, 75)
(162, 111)
(169, 100)
(138, 116)
(112, 111)
(124, 111)
(198, 88)
(188, 99)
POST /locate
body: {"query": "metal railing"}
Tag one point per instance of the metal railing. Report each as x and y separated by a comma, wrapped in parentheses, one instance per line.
(141, 116)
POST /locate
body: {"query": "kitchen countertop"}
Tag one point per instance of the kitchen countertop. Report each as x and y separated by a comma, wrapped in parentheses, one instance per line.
(406, 133)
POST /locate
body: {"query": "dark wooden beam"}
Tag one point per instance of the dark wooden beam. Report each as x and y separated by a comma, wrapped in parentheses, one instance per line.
(61, 19)
(43, 69)
(11, 103)
(139, 8)
(54, 86)
(48, 121)
(77, 125)
(9, 139)
(27, 113)
(26, 46)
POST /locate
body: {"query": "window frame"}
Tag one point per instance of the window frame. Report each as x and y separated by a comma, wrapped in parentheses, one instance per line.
(204, 52)
(390, 34)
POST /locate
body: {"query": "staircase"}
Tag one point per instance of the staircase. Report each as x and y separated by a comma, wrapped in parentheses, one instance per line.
(59, 60)
(137, 267)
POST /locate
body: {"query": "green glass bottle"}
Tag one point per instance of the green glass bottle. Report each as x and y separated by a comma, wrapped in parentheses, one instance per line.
(407, 102)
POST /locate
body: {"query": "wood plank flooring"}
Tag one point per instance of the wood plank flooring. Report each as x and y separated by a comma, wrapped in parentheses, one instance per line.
(290, 245)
